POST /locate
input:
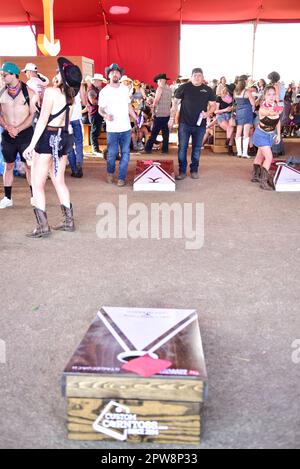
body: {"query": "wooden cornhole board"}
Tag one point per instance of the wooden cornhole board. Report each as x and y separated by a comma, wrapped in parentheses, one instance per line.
(287, 179)
(154, 176)
(108, 403)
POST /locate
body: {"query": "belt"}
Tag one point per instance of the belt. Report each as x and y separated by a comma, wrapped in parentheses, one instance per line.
(266, 131)
(53, 129)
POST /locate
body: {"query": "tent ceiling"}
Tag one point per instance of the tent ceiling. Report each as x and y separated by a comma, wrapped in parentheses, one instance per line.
(194, 11)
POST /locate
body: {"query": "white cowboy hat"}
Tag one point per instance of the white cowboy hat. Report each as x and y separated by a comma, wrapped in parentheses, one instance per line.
(99, 76)
(125, 78)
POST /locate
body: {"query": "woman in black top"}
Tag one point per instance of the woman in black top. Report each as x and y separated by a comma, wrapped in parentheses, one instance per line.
(224, 113)
(50, 144)
(267, 132)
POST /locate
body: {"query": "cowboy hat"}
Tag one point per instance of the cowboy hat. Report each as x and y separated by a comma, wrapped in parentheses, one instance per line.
(161, 76)
(71, 74)
(99, 76)
(125, 78)
(111, 68)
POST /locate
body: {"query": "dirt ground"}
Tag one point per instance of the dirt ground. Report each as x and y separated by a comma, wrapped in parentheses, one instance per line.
(244, 282)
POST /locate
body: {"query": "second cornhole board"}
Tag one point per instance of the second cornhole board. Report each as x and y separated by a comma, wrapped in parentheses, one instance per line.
(154, 176)
(287, 179)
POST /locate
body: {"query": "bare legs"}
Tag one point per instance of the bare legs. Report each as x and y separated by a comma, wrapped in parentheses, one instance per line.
(59, 182)
(264, 157)
(42, 164)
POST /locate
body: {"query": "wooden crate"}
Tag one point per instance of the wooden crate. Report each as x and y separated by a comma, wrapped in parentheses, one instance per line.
(106, 402)
(180, 420)
(219, 145)
(219, 140)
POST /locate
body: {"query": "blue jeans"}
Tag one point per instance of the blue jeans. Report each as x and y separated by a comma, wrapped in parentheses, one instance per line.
(116, 141)
(184, 133)
(76, 155)
(159, 124)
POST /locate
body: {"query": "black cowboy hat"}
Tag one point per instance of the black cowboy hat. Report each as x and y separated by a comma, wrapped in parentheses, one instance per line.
(161, 76)
(71, 74)
(113, 67)
(230, 88)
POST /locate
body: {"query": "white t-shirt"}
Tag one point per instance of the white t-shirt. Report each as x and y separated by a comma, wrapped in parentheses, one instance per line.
(76, 112)
(37, 85)
(115, 101)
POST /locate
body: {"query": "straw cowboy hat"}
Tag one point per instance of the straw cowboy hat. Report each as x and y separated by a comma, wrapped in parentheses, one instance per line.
(125, 78)
(99, 76)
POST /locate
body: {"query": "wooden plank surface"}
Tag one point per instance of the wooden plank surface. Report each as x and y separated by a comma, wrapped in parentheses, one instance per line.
(131, 387)
(182, 419)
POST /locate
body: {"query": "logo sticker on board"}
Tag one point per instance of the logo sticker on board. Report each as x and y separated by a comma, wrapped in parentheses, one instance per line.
(118, 422)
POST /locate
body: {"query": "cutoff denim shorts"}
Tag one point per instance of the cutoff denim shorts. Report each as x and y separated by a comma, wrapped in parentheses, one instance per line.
(225, 116)
(263, 139)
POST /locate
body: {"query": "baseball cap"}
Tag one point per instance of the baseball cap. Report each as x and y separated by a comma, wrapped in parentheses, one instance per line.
(197, 70)
(30, 68)
(10, 67)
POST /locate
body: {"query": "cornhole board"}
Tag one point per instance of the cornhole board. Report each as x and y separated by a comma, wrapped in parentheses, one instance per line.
(154, 176)
(108, 403)
(287, 179)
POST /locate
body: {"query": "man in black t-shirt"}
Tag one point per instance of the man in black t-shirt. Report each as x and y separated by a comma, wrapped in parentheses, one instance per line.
(197, 102)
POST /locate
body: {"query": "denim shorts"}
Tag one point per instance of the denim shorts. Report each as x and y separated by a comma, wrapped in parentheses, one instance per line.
(225, 116)
(263, 139)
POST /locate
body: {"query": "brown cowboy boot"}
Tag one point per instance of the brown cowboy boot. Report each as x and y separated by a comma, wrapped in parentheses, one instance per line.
(265, 179)
(68, 220)
(256, 173)
(43, 229)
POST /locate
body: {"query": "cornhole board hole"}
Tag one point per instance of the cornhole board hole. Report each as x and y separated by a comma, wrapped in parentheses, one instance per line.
(105, 402)
(287, 179)
(154, 176)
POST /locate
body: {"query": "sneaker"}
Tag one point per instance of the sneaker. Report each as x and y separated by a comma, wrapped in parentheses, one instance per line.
(194, 175)
(98, 153)
(6, 203)
(109, 178)
(180, 177)
(121, 183)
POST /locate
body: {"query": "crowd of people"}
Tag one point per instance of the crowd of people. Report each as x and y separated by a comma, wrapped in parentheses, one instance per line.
(43, 124)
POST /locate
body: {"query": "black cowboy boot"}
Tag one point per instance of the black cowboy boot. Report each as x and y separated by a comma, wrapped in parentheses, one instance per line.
(68, 220)
(43, 229)
(79, 170)
(230, 150)
(256, 173)
(265, 180)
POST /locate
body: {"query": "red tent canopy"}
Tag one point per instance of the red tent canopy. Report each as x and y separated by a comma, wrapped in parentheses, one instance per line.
(193, 11)
(146, 40)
